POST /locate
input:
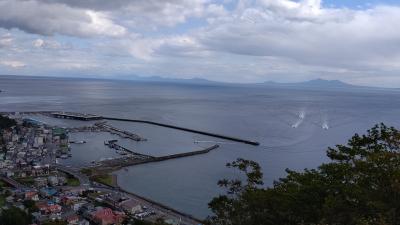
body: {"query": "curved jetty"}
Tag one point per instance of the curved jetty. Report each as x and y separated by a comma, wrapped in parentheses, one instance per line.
(187, 130)
(137, 158)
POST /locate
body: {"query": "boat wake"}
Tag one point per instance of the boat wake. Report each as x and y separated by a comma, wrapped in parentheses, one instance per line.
(301, 117)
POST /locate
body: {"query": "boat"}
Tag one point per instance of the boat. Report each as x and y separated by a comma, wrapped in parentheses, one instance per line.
(64, 156)
(77, 142)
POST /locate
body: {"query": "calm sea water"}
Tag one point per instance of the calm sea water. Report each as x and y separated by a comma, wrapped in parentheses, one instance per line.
(287, 122)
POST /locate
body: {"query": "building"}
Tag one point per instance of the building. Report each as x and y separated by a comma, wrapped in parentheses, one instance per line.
(105, 216)
(31, 195)
(132, 206)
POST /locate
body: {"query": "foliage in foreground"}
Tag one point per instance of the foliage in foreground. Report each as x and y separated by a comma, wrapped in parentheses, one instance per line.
(13, 216)
(6, 122)
(361, 185)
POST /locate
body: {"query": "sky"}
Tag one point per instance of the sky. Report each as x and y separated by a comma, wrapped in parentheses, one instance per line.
(244, 41)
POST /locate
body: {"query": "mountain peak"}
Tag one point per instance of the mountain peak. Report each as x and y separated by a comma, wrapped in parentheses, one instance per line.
(316, 83)
(323, 82)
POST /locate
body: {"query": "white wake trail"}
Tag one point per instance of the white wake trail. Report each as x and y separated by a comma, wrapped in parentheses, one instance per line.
(302, 116)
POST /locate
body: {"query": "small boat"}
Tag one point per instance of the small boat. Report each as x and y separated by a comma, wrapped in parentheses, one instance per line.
(77, 142)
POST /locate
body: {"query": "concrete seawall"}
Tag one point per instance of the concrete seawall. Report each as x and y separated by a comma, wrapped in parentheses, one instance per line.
(115, 164)
(187, 130)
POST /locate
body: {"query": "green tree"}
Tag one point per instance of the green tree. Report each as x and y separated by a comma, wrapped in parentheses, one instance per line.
(361, 185)
(31, 206)
(6, 122)
(13, 216)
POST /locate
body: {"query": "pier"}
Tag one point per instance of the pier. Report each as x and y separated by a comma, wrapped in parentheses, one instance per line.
(75, 116)
(119, 132)
(113, 144)
(187, 130)
(118, 163)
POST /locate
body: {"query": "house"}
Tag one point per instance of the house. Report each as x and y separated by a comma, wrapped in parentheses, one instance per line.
(31, 195)
(47, 192)
(69, 200)
(72, 219)
(53, 180)
(40, 181)
(9, 173)
(54, 208)
(105, 216)
(46, 208)
(76, 206)
(10, 199)
(132, 206)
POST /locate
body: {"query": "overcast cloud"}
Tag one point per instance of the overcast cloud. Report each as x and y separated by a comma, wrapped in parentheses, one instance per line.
(234, 41)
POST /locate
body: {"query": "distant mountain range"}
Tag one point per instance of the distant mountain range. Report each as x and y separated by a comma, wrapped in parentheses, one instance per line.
(173, 80)
(317, 83)
(311, 84)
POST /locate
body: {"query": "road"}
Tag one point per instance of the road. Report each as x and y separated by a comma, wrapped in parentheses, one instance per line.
(159, 208)
(83, 179)
(153, 206)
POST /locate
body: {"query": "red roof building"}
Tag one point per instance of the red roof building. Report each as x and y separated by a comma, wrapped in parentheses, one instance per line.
(105, 216)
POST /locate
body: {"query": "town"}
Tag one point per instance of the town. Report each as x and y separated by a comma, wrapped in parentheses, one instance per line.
(39, 190)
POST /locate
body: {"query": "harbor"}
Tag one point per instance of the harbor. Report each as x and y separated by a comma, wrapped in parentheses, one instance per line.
(91, 117)
(126, 156)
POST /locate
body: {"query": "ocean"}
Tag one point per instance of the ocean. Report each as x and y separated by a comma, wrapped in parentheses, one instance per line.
(295, 126)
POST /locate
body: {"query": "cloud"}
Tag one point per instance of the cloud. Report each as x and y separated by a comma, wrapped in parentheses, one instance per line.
(38, 43)
(239, 41)
(142, 13)
(12, 63)
(311, 35)
(49, 19)
(6, 40)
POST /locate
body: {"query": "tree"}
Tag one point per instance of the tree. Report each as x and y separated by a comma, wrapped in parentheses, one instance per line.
(361, 185)
(31, 206)
(13, 216)
(6, 122)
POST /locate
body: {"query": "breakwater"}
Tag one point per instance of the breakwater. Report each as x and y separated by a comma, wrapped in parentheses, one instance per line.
(118, 163)
(119, 132)
(113, 144)
(86, 117)
(187, 130)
